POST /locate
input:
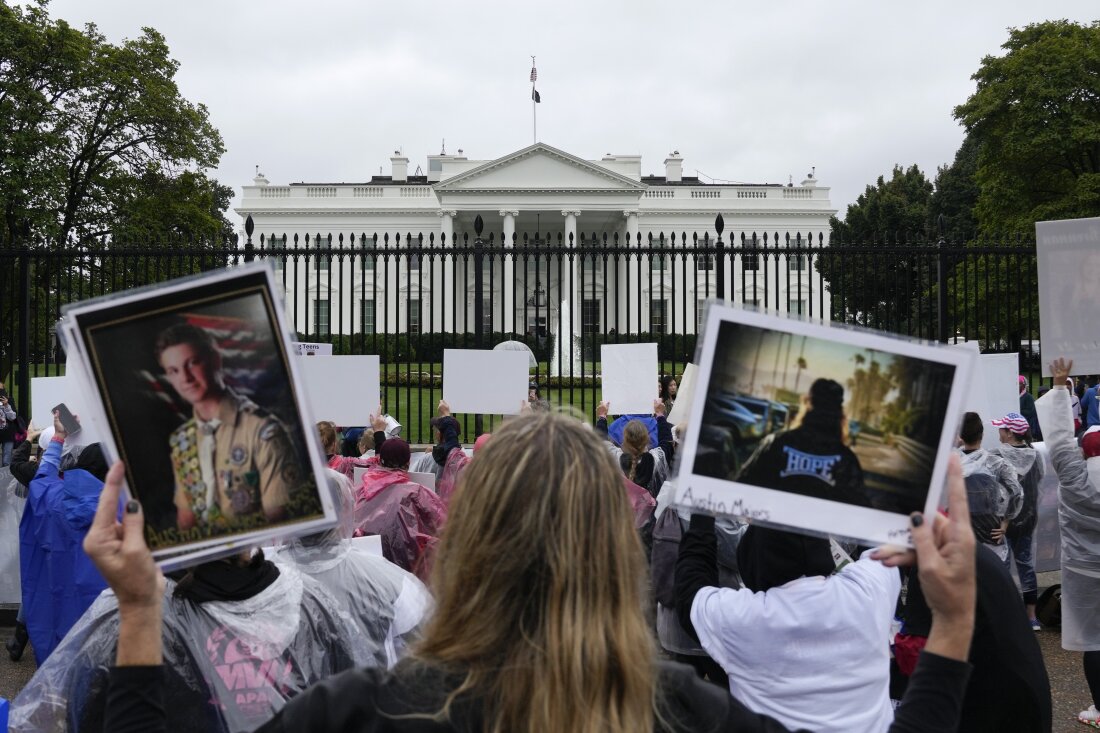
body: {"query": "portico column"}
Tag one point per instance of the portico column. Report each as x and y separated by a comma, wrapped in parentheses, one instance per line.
(443, 289)
(509, 272)
(631, 313)
(571, 274)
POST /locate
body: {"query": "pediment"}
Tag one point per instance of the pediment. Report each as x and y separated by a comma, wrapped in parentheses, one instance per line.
(540, 168)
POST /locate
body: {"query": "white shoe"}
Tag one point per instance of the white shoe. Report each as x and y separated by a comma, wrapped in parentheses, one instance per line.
(1090, 717)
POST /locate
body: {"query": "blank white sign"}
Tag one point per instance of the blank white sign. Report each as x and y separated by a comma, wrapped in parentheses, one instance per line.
(343, 389)
(994, 392)
(48, 392)
(1068, 256)
(427, 480)
(485, 382)
(685, 390)
(629, 377)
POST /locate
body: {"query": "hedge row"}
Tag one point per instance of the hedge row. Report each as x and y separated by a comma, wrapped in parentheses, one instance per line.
(404, 348)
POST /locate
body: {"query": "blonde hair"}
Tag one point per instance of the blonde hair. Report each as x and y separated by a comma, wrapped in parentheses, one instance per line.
(366, 441)
(540, 580)
(328, 436)
(635, 444)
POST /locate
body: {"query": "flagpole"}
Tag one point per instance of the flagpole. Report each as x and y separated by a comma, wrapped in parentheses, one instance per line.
(534, 107)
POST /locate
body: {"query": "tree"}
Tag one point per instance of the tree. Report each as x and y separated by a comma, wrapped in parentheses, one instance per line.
(880, 289)
(956, 194)
(83, 120)
(1035, 118)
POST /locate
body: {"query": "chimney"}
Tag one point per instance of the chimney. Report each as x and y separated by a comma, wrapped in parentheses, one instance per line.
(674, 167)
(400, 167)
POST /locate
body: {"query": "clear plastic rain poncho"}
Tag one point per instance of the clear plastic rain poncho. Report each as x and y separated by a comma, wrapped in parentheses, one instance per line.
(1079, 522)
(387, 603)
(407, 516)
(231, 665)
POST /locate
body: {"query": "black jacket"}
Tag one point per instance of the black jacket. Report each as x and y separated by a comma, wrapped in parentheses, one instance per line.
(808, 462)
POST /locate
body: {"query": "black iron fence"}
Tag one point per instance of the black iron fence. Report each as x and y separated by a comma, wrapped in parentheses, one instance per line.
(408, 297)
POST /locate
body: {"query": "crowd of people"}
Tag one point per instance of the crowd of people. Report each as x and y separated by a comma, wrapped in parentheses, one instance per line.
(548, 583)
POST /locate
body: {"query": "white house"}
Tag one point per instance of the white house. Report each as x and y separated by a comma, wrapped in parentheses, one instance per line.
(537, 190)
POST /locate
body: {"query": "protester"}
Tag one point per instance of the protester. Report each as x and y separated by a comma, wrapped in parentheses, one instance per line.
(1074, 404)
(58, 581)
(386, 603)
(647, 467)
(667, 392)
(330, 443)
(1027, 408)
(8, 426)
(448, 452)
(1090, 405)
(1016, 449)
(1009, 689)
(989, 473)
(535, 400)
(408, 517)
(1078, 469)
(552, 638)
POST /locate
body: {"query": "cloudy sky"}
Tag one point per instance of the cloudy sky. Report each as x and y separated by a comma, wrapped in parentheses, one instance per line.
(326, 90)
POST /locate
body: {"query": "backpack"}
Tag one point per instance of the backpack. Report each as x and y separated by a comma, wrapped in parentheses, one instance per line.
(1048, 609)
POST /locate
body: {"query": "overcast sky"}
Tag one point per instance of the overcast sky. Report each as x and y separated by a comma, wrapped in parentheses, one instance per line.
(326, 90)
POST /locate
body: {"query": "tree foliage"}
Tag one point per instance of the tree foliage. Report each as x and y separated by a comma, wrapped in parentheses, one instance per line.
(881, 288)
(95, 135)
(1035, 118)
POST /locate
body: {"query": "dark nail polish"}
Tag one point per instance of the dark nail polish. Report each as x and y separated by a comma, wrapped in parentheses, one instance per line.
(916, 518)
(132, 507)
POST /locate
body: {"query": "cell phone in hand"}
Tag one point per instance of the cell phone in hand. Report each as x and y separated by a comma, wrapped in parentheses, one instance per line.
(67, 420)
(3, 393)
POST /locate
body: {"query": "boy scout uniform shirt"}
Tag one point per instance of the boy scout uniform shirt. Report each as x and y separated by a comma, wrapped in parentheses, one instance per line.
(253, 462)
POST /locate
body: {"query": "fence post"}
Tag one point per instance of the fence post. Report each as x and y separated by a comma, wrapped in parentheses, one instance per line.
(941, 283)
(23, 359)
(719, 259)
(479, 303)
(249, 250)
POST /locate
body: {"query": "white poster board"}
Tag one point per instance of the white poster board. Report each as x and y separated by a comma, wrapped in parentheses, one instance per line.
(994, 392)
(1068, 257)
(744, 382)
(303, 348)
(343, 389)
(681, 408)
(48, 392)
(485, 382)
(629, 377)
(427, 480)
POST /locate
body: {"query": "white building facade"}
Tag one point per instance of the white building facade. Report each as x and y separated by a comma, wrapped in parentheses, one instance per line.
(529, 202)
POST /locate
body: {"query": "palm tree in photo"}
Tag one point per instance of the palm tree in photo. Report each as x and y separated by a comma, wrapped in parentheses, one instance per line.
(801, 363)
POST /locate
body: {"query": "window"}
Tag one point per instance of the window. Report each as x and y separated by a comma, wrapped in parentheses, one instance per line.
(796, 263)
(413, 261)
(657, 262)
(704, 262)
(321, 316)
(324, 255)
(795, 306)
(487, 315)
(750, 262)
(656, 316)
(589, 263)
(414, 315)
(366, 316)
(700, 313)
(367, 245)
(590, 316)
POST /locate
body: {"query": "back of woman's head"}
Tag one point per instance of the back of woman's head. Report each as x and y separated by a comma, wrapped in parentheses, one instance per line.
(327, 431)
(540, 583)
(635, 445)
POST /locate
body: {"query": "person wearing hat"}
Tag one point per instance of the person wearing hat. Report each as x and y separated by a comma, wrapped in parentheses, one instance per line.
(534, 398)
(811, 458)
(408, 516)
(1017, 451)
(1078, 469)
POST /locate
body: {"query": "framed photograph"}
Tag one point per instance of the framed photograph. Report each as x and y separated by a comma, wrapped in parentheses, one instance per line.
(200, 396)
(820, 429)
